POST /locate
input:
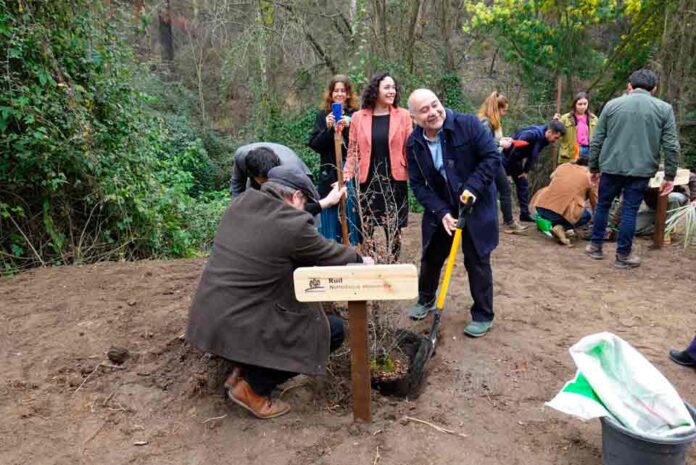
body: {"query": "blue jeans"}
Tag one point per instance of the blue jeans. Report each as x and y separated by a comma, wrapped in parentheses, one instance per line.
(556, 219)
(502, 183)
(610, 187)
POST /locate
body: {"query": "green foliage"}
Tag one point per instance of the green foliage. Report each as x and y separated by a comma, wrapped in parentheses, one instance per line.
(383, 364)
(89, 169)
(547, 38)
(288, 128)
(452, 94)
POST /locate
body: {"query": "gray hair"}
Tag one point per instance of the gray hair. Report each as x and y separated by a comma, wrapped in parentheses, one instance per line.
(279, 189)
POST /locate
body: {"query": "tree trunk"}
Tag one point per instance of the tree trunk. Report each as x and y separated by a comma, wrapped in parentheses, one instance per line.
(353, 14)
(165, 32)
(446, 29)
(559, 92)
(379, 26)
(414, 28)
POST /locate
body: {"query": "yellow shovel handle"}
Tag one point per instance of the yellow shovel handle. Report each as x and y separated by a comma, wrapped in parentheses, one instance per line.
(448, 269)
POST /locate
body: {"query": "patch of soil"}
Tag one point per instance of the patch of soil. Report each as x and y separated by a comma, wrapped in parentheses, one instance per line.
(63, 401)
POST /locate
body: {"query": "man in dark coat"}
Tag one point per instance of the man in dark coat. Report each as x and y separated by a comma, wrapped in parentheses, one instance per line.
(520, 159)
(450, 155)
(245, 308)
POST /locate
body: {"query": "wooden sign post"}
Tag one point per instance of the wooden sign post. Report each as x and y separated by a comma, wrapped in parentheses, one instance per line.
(356, 285)
(681, 179)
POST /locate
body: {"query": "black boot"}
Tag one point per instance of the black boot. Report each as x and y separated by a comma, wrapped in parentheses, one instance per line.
(682, 358)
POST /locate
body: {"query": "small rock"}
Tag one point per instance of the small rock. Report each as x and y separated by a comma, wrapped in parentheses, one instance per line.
(140, 443)
(86, 370)
(132, 302)
(403, 421)
(118, 355)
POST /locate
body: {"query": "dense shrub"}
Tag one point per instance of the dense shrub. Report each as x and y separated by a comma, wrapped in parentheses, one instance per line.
(89, 169)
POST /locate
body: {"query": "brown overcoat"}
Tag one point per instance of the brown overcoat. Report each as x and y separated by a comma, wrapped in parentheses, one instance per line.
(245, 309)
(570, 187)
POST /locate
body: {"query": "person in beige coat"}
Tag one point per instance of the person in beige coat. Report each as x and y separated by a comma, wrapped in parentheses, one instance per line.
(563, 201)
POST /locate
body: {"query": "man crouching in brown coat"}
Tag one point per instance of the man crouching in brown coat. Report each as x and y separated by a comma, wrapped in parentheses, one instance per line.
(245, 310)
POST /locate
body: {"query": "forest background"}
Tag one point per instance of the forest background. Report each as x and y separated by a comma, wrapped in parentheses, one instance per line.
(119, 119)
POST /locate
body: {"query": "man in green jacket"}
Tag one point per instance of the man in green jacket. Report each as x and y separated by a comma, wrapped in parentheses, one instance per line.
(631, 132)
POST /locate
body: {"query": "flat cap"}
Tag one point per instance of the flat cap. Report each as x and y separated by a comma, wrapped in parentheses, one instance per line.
(295, 179)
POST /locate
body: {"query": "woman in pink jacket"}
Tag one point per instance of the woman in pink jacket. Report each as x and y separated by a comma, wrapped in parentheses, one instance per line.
(377, 159)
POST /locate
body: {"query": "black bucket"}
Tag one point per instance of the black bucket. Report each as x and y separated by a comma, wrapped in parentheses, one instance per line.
(623, 447)
(416, 348)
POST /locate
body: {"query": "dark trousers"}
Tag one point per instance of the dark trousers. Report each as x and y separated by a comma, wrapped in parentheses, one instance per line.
(502, 183)
(264, 380)
(522, 185)
(435, 253)
(691, 350)
(556, 219)
(610, 187)
(514, 167)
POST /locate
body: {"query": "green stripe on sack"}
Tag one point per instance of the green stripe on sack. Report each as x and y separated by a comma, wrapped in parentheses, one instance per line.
(581, 386)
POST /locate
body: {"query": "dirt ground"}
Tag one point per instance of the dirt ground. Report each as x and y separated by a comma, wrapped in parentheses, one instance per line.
(59, 406)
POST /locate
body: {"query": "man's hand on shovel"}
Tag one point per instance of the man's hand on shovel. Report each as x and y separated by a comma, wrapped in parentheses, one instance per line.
(467, 198)
(448, 221)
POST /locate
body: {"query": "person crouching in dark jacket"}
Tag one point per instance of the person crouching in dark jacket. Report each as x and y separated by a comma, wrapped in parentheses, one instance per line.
(520, 159)
(245, 309)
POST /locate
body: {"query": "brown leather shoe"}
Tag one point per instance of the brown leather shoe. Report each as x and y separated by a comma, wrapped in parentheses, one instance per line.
(559, 233)
(233, 378)
(259, 406)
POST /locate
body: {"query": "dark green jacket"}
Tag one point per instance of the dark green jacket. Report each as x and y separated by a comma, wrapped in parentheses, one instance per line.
(631, 132)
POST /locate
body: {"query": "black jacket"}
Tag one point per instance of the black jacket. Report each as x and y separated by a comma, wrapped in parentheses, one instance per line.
(321, 140)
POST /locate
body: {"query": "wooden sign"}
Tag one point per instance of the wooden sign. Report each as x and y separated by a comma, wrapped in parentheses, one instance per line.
(680, 179)
(356, 283)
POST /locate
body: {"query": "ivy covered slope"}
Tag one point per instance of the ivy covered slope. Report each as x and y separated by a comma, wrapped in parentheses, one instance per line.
(90, 169)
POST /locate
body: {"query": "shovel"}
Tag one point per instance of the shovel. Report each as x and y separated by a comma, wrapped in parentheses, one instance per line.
(427, 345)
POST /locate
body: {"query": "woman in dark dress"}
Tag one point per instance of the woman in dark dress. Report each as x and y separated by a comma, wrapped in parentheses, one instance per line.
(377, 159)
(321, 140)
